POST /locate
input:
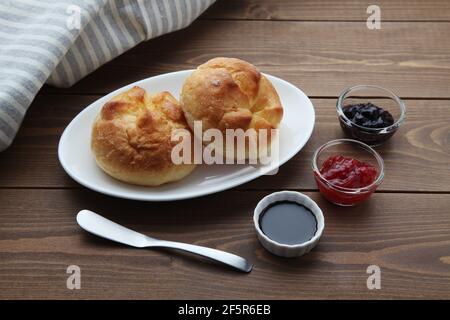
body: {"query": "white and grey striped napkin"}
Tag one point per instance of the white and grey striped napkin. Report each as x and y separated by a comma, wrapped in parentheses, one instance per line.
(59, 42)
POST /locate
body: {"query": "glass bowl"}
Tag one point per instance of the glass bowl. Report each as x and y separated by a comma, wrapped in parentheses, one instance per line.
(348, 148)
(379, 96)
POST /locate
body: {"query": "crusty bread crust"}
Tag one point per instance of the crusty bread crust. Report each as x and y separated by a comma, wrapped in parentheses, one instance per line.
(228, 93)
(131, 138)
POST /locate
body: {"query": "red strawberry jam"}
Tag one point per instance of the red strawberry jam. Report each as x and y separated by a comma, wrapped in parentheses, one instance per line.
(346, 172)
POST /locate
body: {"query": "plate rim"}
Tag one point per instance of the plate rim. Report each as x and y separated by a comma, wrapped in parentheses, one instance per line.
(187, 195)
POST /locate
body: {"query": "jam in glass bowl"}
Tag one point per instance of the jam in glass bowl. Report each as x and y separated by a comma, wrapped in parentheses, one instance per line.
(347, 171)
(370, 114)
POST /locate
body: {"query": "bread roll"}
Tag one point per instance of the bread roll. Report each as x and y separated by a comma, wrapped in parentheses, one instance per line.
(228, 93)
(131, 138)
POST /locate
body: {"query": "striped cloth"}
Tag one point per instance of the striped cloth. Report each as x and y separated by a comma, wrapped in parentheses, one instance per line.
(59, 42)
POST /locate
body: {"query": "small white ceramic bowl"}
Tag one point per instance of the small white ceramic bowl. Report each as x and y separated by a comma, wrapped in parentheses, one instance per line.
(285, 250)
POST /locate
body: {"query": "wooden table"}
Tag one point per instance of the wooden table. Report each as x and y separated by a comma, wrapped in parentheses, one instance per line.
(321, 47)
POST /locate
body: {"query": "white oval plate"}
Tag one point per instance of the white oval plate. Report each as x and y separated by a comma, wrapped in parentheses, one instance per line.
(78, 161)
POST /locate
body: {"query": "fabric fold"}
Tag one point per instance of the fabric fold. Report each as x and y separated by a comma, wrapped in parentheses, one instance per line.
(59, 42)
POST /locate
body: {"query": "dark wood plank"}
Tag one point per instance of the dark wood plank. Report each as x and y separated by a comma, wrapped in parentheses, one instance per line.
(391, 10)
(412, 59)
(417, 157)
(39, 239)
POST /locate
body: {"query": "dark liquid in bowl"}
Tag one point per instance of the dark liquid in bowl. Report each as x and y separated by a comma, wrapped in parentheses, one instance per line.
(288, 222)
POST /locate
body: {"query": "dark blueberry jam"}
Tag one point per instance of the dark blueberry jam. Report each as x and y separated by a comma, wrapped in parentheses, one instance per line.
(368, 115)
(367, 122)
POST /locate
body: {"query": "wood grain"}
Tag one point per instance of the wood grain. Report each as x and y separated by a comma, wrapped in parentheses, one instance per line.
(321, 57)
(391, 10)
(39, 239)
(417, 158)
(321, 47)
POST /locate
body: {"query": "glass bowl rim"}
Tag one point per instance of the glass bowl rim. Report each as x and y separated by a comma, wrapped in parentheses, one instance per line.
(393, 96)
(344, 189)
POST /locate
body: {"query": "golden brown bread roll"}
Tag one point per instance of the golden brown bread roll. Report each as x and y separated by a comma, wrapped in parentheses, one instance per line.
(131, 138)
(228, 93)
